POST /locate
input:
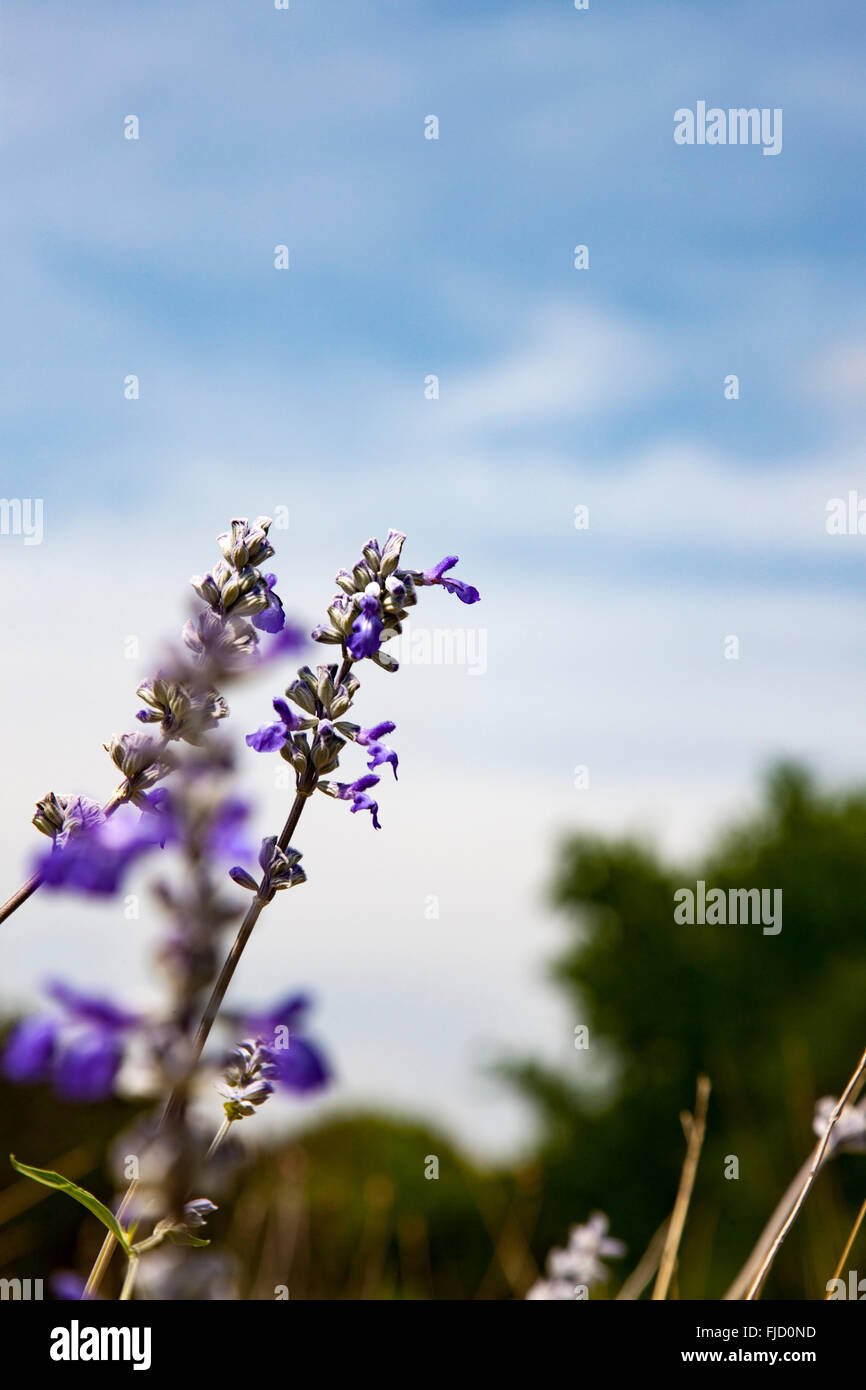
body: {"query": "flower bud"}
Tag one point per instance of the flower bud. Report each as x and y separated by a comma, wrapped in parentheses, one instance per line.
(49, 815)
(391, 552)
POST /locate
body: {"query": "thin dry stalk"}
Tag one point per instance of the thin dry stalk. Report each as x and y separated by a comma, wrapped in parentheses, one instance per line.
(646, 1265)
(814, 1168)
(846, 1252)
(696, 1132)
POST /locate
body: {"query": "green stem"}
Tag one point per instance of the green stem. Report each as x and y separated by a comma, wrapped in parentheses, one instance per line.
(106, 1251)
(176, 1099)
(129, 1281)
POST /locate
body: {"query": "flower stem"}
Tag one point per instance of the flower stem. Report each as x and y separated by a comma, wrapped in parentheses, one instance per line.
(219, 1136)
(230, 964)
(129, 1281)
(177, 1097)
(103, 1259)
(24, 892)
(850, 1241)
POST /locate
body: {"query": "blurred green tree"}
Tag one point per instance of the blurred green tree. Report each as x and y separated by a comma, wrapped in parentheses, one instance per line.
(776, 1021)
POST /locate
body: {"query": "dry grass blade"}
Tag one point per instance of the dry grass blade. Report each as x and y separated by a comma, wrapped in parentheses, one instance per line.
(696, 1132)
(646, 1265)
(817, 1161)
(845, 1253)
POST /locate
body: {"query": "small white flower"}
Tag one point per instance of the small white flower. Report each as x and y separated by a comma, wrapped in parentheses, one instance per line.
(580, 1262)
(849, 1132)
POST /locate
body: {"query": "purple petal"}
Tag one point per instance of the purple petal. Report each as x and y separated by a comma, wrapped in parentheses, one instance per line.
(272, 618)
(288, 1013)
(363, 784)
(68, 1286)
(30, 1049)
(291, 720)
(434, 575)
(380, 753)
(95, 861)
(269, 738)
(90, 1008)
(300, 1067)
(88, 1065)
(366, 630)
(226, 837)
(289, 639)
(370, 735)
(363, 802)
(465, 592)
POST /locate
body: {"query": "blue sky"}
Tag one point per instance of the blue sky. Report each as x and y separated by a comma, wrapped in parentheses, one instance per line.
(558, 387)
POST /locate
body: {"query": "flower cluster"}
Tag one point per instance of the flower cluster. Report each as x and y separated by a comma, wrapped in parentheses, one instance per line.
(183, 700)
(180, 711)
(375, 597)
(572, 1271)
(236, 587)
(275, 1053)
(246, 1085)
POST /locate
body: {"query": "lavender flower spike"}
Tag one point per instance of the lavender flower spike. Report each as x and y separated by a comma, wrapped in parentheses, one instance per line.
(245, 1085)
(272, 737)
(465, 592)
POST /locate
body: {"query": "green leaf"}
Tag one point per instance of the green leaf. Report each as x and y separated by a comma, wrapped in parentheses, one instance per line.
(181, 1237)
(87, 1199)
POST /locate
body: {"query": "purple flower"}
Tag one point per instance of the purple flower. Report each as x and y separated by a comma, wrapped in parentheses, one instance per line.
(68, 1286)
(298, 1063)
(272, 618)
(288, 639)
(465, 592)
(80, 814)
(356, 792)
(30, 1049)
(366, 629)
(91, 1008)
(94, 860)
(86, 1065)
(379, 753)
(226, 834)
(271, 737)
(79, 1051)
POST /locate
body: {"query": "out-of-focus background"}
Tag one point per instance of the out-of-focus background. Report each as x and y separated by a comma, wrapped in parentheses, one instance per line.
(665, 613)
